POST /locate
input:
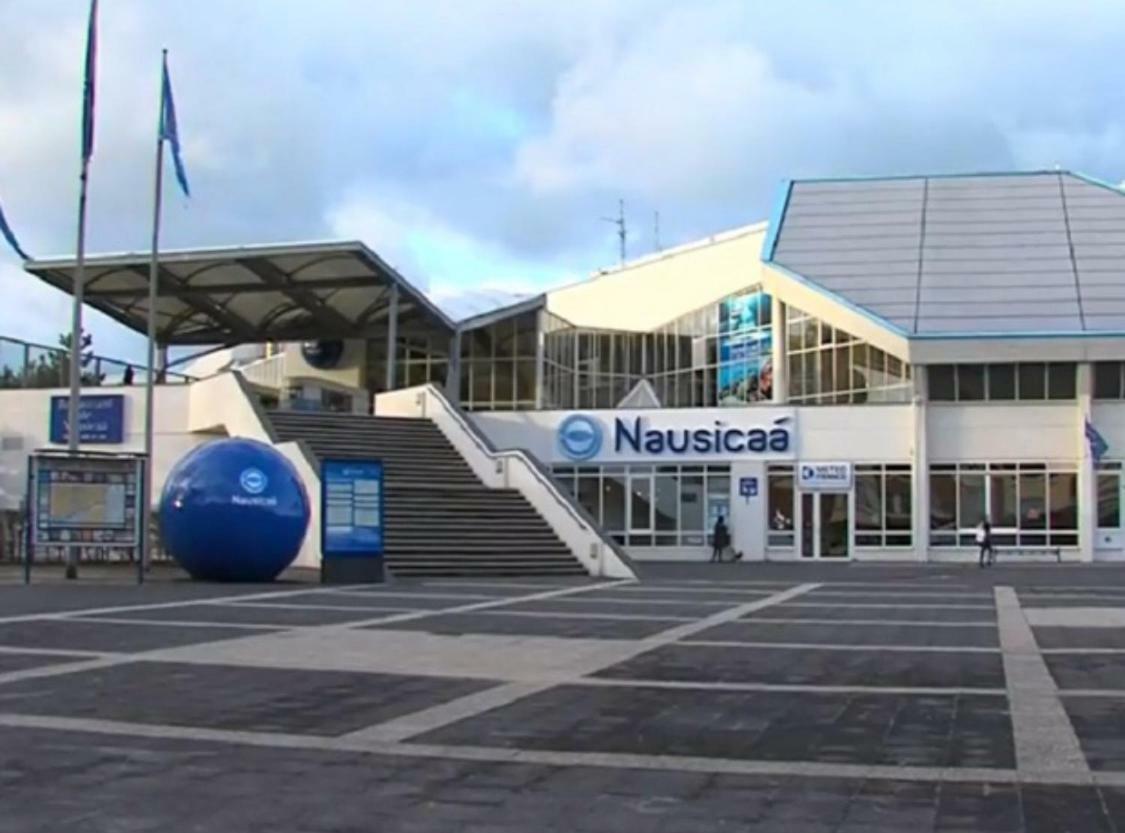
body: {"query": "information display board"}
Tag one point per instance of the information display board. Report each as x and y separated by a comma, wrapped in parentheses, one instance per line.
(351, 519)
(85, 501)
(101, 419)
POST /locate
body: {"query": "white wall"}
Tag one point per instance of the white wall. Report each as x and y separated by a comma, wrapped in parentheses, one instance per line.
(647, 293)
(876, 433)
(24, 428)
(1001, 433)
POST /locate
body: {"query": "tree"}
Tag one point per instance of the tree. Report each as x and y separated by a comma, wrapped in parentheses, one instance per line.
(51, 368)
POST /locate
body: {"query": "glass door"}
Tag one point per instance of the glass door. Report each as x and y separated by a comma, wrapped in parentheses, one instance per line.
(825, 525)
(833, 525)
(808, 525)
(640, 508)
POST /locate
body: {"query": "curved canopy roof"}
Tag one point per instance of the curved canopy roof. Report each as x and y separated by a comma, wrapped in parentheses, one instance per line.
(961, 256)
(291, 292)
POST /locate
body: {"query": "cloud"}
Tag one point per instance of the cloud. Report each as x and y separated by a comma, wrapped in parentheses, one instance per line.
(480, 144)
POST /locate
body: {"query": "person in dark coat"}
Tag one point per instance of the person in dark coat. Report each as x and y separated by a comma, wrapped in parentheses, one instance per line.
(720, 539)
(984, 541)
(127, 376)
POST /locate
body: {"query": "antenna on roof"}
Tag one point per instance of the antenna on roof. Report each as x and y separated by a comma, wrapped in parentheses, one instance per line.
(656, 231)
(619, 221)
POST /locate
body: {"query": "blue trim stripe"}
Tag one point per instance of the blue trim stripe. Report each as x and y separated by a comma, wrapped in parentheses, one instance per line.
(900, 177)
(777, 217)
(1101, 183)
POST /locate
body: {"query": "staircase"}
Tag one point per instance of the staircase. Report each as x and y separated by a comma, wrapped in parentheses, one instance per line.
(441, 520)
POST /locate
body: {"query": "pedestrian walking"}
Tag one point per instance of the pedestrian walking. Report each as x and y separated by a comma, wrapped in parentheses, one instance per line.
(984, 541)
(720, 539)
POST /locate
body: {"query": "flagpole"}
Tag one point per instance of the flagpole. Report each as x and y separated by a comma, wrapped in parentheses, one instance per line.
(153, 281)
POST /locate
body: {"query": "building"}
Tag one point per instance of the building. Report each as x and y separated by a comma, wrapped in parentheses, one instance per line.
(867, 375)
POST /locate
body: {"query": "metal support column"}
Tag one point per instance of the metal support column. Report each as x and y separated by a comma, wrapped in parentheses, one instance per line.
(453, 377)
(540, 358)
(1087, 474)
(392, 337)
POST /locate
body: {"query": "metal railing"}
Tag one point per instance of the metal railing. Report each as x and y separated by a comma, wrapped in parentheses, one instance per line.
(24, 364)
(267, 373)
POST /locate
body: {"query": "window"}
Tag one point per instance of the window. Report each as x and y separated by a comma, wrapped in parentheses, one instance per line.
(1107, 380)
(829, 366)
(1033, 382)
(883, 506)
(1109, 496)
(779, 505)
(652, 506)
(943, 385)
(970, 382)
(1028, 504)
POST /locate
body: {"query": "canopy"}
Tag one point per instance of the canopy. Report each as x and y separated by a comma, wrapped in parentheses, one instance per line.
(290, 292)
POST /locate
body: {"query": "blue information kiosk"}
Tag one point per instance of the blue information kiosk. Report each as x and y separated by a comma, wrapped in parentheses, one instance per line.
(351, 521)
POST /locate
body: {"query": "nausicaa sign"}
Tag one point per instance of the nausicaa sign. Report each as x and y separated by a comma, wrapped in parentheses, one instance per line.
(749, 433)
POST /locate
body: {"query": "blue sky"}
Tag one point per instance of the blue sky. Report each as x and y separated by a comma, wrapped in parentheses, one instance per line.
(477, 144)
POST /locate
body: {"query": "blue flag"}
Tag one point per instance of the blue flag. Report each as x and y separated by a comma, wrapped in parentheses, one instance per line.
(1098, 445)
(168, 129)
(10, 236)
(88, 83)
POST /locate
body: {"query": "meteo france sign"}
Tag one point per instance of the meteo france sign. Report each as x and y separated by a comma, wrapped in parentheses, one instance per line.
(714, 434)
(824, 477)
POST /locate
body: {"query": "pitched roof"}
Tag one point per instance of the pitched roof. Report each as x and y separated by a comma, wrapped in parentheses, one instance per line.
(979, 254)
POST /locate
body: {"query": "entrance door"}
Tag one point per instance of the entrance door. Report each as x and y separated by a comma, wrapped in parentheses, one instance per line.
(825, 521)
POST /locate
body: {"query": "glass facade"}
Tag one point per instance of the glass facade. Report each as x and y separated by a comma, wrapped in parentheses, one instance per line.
(1028, 504)
(779, 496)
(1029, 381)
(652, 506)
(1108, 380)
(828, 366)
(1109, 495)
(884, 504)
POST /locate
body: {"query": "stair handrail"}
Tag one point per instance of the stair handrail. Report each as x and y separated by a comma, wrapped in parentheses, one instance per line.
(267, 423)
(543, 474)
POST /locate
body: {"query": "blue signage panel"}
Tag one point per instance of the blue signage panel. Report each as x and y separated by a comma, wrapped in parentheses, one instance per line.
(101, 419)
(748, 486)
(351, 510)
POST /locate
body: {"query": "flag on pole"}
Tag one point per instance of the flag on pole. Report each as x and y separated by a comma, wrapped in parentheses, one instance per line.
(88, 83)
(168, 129)
(10, 236)
(1098, 445)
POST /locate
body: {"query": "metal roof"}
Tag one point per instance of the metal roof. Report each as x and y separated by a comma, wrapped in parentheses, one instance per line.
(290, 292)
(969, 255)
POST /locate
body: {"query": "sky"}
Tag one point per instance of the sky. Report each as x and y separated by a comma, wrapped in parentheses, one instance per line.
(478, 144)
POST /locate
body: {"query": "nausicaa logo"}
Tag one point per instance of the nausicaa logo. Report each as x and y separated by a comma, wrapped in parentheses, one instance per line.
(253, 481)
(636, 436)
(580, 437)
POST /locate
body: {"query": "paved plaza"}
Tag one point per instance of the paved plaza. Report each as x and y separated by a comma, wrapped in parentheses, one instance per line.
(798, 698)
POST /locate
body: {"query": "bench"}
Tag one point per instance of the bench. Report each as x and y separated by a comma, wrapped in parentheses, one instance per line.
(1021, 551)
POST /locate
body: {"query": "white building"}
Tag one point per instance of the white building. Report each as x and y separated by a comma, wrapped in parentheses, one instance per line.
(866, 376)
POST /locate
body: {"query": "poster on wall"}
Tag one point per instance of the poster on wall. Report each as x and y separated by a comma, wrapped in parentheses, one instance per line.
(745, 349)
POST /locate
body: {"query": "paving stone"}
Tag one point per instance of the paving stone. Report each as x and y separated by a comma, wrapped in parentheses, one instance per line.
(812, 666)
(1065, 637)
(21, 661)
(1064, 809)
(932, 730)
(972, 636)
(60, 634)
(1101, 671)
(595, 605)
(903, 613)
(483, 622)
(228, 697)
(1099, 723)
(246, 614)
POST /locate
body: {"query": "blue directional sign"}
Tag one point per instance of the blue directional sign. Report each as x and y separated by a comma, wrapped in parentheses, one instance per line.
(748, 486)
(351, 511)
(101, 419)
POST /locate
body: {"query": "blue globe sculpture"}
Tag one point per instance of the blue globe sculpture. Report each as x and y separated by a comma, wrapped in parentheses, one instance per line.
(234, 510)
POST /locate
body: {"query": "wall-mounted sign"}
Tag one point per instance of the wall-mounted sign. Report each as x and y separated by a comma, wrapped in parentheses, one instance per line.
(324, 354)
(765, 434)
(748, 487)
(824, 477)
(101, 419)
